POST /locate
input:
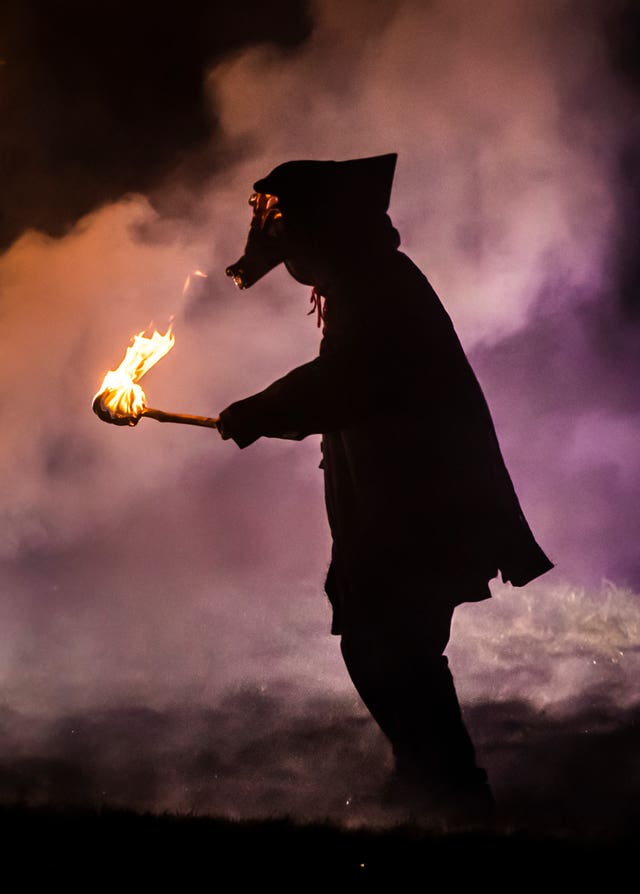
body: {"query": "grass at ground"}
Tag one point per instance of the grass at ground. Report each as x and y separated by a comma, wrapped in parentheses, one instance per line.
(89, 849)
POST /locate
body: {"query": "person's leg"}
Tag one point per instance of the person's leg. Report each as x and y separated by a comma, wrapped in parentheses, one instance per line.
(404, 680)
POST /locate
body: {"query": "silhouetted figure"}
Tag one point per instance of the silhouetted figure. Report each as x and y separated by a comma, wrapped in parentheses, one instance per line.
(420, 504)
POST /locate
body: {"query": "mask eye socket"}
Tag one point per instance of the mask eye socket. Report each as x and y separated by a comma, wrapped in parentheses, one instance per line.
(265, 209)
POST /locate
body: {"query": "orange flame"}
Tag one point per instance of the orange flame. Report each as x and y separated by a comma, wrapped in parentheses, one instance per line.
(119, 397)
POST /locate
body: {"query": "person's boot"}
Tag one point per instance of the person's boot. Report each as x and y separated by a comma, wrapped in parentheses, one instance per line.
(440, 798)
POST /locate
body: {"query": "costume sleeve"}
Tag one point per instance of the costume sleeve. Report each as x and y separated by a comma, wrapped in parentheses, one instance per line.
(383, 369)
(323, 395)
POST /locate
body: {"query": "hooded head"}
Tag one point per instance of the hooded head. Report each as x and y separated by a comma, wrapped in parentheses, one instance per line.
(312, 214)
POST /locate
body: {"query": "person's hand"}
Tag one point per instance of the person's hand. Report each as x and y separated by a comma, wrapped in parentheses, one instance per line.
(224, 435)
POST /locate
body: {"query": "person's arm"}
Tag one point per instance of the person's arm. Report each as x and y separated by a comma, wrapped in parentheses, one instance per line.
(324, 395)
(390, 365)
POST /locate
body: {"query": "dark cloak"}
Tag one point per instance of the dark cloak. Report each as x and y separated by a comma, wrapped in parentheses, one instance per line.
(420, 503)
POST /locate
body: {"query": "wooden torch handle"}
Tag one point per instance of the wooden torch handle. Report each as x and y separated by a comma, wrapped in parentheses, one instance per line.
(184, 418)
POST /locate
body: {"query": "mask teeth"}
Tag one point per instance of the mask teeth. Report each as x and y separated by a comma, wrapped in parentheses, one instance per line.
(236, 275)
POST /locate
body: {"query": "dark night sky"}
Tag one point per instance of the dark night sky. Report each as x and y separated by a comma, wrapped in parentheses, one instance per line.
(106, 99)
(161, 586)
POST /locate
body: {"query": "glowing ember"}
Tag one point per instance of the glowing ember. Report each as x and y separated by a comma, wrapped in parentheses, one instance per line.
(120, 399)
(199, 273)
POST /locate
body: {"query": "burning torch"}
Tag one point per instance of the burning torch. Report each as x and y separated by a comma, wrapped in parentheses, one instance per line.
(121, 400)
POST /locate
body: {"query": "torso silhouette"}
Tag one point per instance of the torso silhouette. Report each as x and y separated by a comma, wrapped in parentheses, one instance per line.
(416, 487)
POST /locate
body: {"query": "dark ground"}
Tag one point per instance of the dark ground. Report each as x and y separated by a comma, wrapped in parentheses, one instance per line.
(89, 849)
(256, 756)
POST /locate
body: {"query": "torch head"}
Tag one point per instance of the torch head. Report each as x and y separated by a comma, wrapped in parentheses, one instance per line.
(99, 407)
